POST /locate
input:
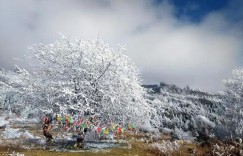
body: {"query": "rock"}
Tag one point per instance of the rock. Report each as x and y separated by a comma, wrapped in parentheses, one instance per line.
(191, 150)
(3, 123)
(147, 135)
(2, 126)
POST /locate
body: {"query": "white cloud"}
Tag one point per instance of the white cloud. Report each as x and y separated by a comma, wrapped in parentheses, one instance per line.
(165, 48)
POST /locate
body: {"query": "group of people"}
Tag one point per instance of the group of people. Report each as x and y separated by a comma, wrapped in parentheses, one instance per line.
(81, 125)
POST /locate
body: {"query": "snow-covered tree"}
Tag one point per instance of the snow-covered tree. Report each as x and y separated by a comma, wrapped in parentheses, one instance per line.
(75, 75)
(235, 84)
(234, 102)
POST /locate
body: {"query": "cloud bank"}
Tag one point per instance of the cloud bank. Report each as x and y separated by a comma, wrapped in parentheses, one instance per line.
(165, 48)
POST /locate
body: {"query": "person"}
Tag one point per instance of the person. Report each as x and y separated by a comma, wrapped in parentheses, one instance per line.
(46, 128)
(47, 134)
(79, 141)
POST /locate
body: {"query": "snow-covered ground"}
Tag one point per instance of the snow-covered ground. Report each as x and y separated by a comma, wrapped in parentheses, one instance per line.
(3, 122)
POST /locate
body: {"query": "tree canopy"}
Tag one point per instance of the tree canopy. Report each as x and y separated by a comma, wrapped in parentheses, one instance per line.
(72, 76)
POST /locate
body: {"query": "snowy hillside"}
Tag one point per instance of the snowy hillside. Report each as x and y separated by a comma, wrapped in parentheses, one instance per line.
(185, 112)
(14, 95)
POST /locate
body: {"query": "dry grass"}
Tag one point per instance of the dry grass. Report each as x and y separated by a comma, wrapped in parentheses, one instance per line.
(185, 149)
(137, 148)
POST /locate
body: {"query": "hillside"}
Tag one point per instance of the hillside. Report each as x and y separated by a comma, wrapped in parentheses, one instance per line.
(185, 111)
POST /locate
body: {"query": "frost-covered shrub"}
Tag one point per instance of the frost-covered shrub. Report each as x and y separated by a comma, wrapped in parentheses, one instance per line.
(166, 147)
(11, 133)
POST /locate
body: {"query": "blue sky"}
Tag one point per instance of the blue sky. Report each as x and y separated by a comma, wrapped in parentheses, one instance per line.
(196, 10)
(185, 42)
